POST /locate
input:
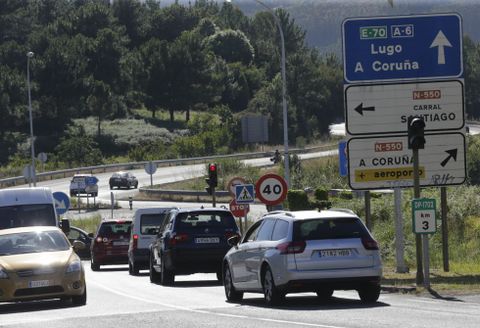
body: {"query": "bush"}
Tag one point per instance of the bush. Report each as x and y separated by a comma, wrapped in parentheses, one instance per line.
(321, 193)
(298, 200)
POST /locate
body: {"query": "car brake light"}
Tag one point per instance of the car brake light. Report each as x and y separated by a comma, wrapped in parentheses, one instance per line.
(370, 243)
(178, 238)
(99, 239)
(293, 247)
(135, 241)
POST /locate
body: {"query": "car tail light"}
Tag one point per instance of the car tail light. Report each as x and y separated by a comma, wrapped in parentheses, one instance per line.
(293, 247)
(135, 241)
(178, 239)
(101, 239)
(370, 243)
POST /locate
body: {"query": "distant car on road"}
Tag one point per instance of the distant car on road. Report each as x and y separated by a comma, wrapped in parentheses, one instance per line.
(191, 241)
(38, 262)
(303, 251)
(83, 236)
(84, 184)
(123, 180)
(110, 244)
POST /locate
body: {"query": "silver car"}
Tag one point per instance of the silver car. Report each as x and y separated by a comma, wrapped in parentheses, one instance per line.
(303, 251)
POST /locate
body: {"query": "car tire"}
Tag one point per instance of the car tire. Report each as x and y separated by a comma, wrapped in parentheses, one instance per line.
(93, 265)
(133, 269)
(369, 294)
(231, 293)
(136, 185)
(167, 276)
(80, 299)
(111, 187)
(324, 293)
(154, 275)
(273, 295)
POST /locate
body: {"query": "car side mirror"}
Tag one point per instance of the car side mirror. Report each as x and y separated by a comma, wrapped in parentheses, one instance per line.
(65, 225)
(78, 245)
(233, 241)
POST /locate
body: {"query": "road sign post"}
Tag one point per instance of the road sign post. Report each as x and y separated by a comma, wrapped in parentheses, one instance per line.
(151, 168)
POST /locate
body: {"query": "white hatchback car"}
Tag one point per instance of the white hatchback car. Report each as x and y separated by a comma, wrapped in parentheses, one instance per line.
(303, 251)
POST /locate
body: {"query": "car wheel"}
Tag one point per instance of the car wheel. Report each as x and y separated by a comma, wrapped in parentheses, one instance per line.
(154, 275)
(273, 296)
(324, 293)
(231, 293)
(80, 299)
(111, 187)
(136, 185)
(93, 265)
(369, 294)
(133, 269)
(167, 276)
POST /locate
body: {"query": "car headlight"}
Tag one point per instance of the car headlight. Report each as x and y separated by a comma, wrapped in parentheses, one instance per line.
(75, 266)
(3, 273)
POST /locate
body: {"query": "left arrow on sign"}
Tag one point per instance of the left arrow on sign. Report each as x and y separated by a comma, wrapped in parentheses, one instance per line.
(360, 109)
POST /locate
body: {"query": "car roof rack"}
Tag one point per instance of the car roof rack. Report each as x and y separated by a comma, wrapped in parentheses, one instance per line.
(345, 210)
(279, 212)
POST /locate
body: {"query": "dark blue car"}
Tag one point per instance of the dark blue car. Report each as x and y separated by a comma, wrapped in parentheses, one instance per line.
(191, 241)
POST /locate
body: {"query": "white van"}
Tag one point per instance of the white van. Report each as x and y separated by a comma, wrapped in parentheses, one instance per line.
(145, 224)
(21, 207)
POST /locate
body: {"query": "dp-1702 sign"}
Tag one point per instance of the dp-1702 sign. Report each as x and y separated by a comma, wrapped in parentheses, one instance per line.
(386, 162)
(385, 108)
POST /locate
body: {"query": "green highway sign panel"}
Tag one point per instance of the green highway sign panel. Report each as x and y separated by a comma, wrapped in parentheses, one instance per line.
(423, 215)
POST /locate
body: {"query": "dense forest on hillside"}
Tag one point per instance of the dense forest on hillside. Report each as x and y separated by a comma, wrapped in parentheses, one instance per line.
(104, 59)
(110, 61)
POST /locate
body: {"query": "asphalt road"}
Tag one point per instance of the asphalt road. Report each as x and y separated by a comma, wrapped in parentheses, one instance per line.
(116, 299)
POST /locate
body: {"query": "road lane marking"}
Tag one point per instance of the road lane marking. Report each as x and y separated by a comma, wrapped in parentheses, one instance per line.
(182, 308)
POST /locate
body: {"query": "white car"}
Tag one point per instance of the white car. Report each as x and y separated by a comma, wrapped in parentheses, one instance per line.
(303, 251)
(84, 184)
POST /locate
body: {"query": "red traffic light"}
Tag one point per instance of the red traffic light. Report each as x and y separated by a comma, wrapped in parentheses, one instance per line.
(212, 167)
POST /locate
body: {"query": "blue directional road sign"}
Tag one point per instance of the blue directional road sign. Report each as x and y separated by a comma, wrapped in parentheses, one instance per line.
(402, 48)
(62, 202)
(91, 181)
(245, 194)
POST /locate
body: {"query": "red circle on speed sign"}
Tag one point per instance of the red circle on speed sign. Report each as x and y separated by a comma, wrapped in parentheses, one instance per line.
(239, 210)
(271, 189)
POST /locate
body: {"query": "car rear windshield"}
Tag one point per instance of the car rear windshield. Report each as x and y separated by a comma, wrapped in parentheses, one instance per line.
(150, 223)
(115, 229)
(204, 219)
(27, 215)
(338, 228)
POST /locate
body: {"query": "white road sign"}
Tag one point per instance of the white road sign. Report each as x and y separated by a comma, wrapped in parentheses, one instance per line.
(385, 108)
(386, 162)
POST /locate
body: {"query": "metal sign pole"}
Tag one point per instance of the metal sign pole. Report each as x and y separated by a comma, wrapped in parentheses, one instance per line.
(443, 191)
(399, 237)
(418, 238)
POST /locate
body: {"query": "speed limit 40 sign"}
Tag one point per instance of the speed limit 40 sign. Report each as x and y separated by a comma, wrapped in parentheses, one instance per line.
(271, 189)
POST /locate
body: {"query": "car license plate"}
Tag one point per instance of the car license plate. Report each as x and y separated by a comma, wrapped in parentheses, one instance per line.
(120, 243)
(38, 283)
(210, 240)
(334, 252)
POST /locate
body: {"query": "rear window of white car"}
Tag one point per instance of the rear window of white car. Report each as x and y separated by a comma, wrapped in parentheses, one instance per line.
(338, 228)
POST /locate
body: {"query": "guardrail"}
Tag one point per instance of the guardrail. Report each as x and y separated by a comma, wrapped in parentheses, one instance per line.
(13, 181)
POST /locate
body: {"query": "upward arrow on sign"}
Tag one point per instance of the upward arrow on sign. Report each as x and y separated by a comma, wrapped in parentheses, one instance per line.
(440, 42)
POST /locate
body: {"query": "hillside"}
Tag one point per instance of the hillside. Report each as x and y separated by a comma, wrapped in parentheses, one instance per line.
(322, 19)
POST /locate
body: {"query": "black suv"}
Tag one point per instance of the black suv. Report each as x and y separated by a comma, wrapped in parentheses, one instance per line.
(191, 241)
(123, 179)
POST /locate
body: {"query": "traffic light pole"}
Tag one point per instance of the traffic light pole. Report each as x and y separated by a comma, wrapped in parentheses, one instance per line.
(418, 238)
(214, 203)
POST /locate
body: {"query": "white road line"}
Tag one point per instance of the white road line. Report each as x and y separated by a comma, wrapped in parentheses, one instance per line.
(182, 308)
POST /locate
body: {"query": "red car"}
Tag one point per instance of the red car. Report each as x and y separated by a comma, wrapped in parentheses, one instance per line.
(110, 244)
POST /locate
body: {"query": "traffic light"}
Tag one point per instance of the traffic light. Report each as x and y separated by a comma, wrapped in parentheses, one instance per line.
(212, 175)
(416, 132)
